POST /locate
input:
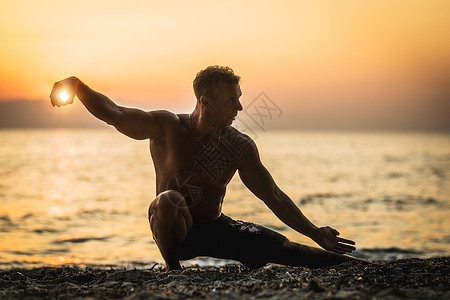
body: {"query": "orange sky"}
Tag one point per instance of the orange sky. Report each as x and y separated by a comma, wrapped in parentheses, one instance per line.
(306, 55)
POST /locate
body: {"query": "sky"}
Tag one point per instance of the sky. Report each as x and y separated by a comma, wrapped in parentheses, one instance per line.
(328, 61)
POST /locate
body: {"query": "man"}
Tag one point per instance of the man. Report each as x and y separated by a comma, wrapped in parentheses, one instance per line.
(195, 156)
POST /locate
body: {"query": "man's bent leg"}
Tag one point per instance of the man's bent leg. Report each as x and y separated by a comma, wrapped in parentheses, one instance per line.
(297, 255)
(170, 221)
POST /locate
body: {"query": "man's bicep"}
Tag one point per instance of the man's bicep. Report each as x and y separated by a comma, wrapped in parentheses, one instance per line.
(255, 176)
(139, 124)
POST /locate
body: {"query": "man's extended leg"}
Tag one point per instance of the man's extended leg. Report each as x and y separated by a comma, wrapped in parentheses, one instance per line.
(297, 255)
(170, 221)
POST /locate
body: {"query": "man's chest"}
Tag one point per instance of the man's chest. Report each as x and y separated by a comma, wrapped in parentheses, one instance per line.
(216, 162)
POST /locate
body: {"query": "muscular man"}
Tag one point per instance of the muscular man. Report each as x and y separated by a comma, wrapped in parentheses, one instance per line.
(195, 156)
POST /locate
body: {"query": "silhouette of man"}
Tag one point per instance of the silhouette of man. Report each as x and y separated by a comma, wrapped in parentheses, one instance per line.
(195, 156)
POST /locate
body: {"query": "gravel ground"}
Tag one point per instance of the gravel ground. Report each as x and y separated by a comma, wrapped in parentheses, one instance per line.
(401, 279)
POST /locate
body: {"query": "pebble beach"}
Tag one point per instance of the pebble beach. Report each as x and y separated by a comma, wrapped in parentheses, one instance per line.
(399, 279)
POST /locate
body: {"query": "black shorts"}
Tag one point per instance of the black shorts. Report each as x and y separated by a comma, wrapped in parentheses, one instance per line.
(251, 244)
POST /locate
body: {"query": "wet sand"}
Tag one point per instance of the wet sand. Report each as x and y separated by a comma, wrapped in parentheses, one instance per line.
(401, 279)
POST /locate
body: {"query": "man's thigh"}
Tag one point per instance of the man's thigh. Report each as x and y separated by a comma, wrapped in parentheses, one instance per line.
(251, 244)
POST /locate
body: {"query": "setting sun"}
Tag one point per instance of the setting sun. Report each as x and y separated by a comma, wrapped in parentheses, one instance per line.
(359, 63)
(64, 96)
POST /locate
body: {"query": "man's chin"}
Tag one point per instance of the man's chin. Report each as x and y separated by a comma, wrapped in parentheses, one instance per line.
(228, 122)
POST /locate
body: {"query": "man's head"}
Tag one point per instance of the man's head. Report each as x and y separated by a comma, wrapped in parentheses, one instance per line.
(207, 81)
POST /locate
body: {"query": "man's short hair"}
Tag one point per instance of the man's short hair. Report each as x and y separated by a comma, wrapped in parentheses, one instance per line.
(206, 80)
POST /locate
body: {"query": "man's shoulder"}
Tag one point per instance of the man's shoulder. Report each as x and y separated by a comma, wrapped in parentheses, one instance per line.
(237, 139)
(165, 117)
(162, 113)
(167, 120)
(234, 133)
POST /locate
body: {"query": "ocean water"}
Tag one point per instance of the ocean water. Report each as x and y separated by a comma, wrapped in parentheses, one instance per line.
(81, 196)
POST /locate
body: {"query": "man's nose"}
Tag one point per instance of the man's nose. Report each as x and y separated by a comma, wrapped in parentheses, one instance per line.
(239, 105)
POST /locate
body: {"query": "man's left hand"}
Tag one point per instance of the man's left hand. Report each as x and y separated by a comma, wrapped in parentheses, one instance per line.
(328, 239)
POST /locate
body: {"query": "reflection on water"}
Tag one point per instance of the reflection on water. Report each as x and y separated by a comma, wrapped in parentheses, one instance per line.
(81, 196)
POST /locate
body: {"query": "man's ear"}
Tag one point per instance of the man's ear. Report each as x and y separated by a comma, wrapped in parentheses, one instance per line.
(205, 101)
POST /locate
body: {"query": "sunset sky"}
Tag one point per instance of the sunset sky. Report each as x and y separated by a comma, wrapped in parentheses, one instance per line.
(389, 60)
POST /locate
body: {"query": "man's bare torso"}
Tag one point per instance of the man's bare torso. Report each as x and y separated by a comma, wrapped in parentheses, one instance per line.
(200, 168)
(201, 174)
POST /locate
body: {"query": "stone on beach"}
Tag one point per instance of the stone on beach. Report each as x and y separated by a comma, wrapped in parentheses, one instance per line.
(408, 278)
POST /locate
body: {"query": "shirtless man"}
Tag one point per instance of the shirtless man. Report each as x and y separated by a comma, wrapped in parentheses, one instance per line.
(195, 156)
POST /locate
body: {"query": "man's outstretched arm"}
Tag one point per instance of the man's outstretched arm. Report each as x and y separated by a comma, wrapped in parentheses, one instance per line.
(258, 180)
(132, 122)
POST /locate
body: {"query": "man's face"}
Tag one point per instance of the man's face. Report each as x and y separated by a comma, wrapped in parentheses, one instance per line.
(225, 104)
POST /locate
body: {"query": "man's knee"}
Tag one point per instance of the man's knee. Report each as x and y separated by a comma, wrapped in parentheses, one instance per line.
(167, 202)
(169, 206)
(169, 212)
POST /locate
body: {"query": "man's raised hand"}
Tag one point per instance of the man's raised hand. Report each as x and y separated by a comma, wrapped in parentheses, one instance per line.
(64, 91)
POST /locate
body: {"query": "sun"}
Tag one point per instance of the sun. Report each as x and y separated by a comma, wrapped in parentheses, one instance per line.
(64, 96)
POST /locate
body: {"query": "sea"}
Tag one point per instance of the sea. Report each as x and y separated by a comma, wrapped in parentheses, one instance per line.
(80, 196)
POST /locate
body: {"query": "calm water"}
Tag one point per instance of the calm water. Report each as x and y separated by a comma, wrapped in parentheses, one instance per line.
(81, 196)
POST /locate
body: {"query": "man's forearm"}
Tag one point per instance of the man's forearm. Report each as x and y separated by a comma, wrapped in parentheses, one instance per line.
(286, 210)
(326, 237)
(96, 103)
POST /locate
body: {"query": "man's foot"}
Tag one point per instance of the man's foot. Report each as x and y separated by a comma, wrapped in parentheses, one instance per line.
(173, 267)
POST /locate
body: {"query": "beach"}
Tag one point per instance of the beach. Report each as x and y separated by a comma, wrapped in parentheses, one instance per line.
(411, 278)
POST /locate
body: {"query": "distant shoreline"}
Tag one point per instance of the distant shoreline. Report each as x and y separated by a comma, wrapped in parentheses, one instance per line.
(407, 278)
(40, 114)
